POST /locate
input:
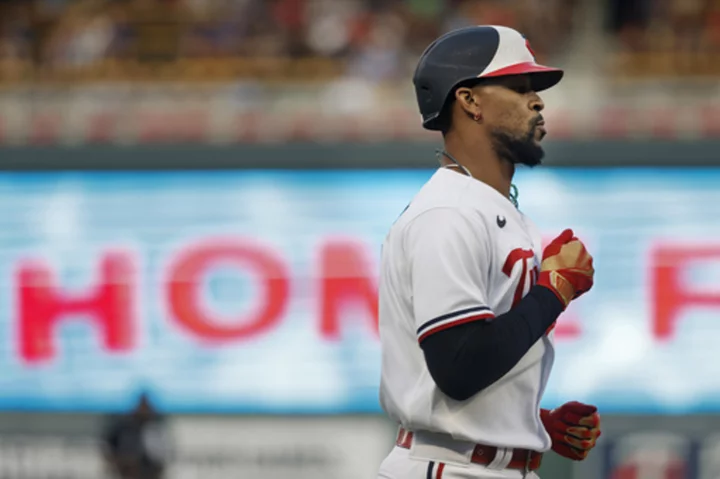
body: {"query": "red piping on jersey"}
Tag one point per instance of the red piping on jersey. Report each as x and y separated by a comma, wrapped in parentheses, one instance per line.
(484, 316)
(440, 468)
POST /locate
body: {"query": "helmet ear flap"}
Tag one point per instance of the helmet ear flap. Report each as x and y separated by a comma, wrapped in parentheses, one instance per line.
(426, 92)
(444, 119)
(428, 100)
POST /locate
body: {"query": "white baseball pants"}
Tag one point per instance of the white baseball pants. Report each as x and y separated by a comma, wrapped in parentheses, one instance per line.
(416, 464)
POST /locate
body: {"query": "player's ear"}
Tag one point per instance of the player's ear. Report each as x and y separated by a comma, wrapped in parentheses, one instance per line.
(469, 101)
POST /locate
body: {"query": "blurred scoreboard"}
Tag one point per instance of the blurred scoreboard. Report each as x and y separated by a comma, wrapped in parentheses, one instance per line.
(255, 291)
(661, 455)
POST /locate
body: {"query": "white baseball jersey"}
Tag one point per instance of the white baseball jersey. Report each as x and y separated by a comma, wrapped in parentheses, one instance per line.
(460, 252)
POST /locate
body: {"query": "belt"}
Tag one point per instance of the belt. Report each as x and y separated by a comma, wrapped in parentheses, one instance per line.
(522, 459)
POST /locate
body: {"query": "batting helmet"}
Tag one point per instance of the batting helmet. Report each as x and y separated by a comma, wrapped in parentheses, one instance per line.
(472, 53)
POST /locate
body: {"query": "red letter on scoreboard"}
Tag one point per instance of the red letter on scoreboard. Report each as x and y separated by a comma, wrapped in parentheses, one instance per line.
(345, 276)
(670, 294)
(185, 278)
(41, 306)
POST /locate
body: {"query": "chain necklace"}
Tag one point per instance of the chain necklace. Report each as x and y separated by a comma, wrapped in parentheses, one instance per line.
(456, 164)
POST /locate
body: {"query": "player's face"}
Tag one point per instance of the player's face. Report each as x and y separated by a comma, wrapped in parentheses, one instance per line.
(511, 112)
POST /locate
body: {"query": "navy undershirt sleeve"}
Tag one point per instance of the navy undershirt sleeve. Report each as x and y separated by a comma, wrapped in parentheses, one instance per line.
(465, 359)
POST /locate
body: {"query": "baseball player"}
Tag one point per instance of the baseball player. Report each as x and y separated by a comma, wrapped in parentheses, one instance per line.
(468, 299)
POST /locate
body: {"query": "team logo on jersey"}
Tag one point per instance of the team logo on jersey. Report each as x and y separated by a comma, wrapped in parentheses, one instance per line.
(501, 221)
(529, 274)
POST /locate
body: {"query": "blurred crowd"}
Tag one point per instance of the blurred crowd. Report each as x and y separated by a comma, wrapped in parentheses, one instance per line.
(374, 39)
(370, 38)
(662, 38)
(666, 25)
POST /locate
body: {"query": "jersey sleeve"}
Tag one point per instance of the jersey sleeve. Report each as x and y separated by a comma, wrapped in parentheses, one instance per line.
(449, 256)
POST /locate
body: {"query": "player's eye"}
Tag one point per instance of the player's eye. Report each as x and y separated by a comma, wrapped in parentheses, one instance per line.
(522, 89)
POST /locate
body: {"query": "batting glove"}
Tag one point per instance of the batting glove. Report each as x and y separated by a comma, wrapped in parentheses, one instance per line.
(574, 428)
(567, 268)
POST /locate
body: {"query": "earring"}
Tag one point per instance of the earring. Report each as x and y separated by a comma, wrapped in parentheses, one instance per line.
(477, 117)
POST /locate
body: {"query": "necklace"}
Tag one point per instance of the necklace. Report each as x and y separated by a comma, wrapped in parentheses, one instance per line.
(456, 164)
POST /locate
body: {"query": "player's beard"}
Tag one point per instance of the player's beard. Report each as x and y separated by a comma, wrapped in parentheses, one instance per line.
(516, 149)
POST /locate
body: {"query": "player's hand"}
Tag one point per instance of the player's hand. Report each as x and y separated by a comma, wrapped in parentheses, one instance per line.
(574, 428)
(567, 267)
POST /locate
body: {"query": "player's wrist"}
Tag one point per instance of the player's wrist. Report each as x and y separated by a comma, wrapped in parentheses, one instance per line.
(549, 291)
(549, 306)
(562, 288)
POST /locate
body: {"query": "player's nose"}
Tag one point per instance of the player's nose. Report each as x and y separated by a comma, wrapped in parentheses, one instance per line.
(536, 104)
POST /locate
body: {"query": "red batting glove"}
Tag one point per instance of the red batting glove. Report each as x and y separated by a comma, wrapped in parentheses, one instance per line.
(567, 268)
(574, 428)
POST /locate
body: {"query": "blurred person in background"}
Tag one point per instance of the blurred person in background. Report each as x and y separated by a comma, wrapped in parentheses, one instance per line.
(628, 20)
(17, 26)
(136, 445)
(379, 58)
(82, 36)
